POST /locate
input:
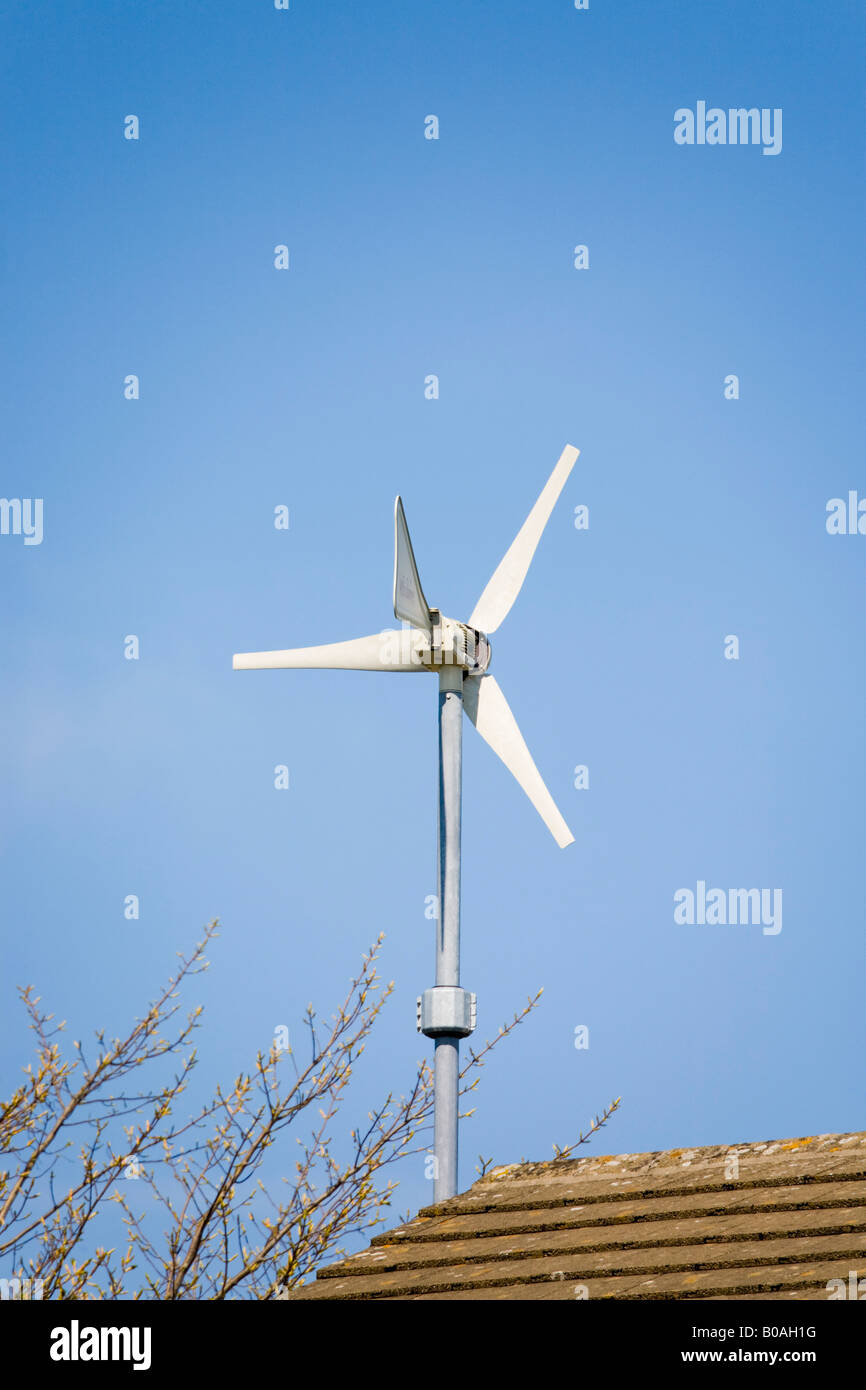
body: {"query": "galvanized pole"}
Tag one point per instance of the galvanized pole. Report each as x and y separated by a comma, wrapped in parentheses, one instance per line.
(446, 1057)
(446, 1013)
(450, 769)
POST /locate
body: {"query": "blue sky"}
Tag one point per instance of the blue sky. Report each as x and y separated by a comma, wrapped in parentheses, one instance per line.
(306, 387)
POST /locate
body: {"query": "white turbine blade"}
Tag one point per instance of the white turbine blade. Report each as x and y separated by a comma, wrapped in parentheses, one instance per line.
(506, 581)
(392, 650)
(410, 605)
(488, 709)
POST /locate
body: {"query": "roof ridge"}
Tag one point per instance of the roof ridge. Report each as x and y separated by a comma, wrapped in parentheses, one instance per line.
(814, 1143)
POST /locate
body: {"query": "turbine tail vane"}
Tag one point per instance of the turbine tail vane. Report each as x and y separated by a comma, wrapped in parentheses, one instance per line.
(410, 605)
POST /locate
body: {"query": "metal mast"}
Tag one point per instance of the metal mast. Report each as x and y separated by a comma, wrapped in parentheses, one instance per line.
(446, 1013)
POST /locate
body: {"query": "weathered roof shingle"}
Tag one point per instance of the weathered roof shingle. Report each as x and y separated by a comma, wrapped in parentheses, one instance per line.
(768, 1220)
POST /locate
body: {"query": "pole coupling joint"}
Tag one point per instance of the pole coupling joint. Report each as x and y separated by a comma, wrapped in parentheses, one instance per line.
(446, 1010)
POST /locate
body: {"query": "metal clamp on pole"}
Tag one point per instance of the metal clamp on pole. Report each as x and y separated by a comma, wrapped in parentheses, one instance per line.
(446, 1010)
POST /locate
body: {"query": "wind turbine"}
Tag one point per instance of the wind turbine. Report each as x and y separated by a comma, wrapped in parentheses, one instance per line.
(459, 653)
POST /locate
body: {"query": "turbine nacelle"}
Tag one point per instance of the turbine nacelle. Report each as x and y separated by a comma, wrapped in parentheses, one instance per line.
(447, 643)
(456, 644)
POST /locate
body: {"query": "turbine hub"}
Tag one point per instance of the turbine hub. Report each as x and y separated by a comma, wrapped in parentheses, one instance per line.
(456, 644)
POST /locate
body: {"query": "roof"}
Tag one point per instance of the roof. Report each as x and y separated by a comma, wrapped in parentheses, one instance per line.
(770, 1220)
